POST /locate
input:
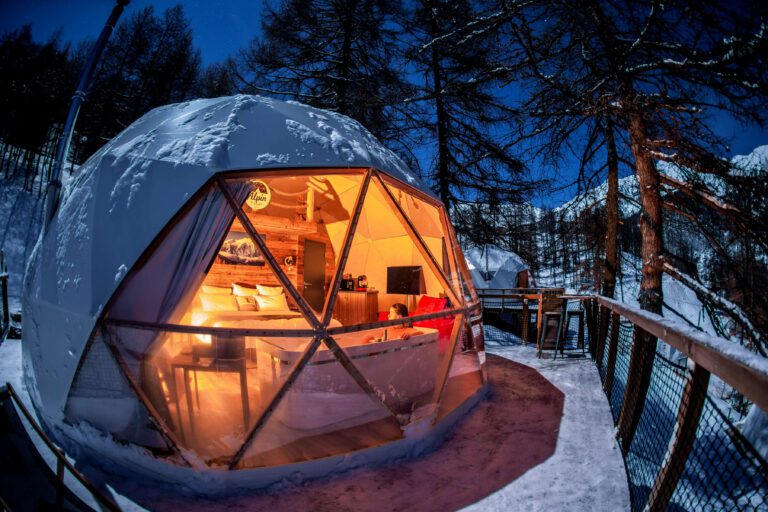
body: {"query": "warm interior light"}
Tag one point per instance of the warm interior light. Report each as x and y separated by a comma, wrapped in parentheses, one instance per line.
(198, 317)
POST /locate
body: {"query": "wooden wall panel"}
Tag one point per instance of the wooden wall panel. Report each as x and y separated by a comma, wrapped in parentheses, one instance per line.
(284, 238)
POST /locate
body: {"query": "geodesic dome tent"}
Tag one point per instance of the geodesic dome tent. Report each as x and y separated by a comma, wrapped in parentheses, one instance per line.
(493, 267)
(193, 294)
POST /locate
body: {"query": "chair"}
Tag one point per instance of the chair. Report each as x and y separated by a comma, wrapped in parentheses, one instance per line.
(579, 314)
(553, 312)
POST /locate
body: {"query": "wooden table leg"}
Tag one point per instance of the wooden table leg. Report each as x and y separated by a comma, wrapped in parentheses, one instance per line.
(188, 393)
(244, 394)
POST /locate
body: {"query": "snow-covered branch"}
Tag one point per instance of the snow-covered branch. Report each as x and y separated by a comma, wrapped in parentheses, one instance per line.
(726, 306)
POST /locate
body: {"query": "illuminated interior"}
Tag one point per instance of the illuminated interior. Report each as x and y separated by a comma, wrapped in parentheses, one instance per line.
(265, 326)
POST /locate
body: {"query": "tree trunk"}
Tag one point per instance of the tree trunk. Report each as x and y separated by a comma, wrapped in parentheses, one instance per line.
(650, 296)
(612, 215)
(442, 137)
(344, 106)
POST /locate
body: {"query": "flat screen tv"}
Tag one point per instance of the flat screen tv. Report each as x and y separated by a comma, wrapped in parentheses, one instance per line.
(404, 280)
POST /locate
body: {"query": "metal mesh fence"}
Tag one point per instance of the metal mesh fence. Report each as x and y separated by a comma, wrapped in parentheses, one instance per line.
(723, 471)
(623, 348)
(654, 430)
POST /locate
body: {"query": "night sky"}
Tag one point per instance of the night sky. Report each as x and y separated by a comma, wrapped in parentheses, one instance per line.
(221, 27)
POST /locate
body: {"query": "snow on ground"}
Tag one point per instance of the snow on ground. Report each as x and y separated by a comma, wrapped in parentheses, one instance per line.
(587, 470)
(11, 372)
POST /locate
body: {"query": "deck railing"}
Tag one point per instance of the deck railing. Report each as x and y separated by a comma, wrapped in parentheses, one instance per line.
(63, 465)
(681, 451)
(525, 301)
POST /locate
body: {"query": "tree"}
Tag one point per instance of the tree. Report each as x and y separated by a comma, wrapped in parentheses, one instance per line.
(34, 75)
(334, 54)
(458, 105)
(655, 70)
(150, 61)
(218, 79)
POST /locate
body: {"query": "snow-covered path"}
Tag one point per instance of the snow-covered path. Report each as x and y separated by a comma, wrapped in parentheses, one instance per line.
(586, 471)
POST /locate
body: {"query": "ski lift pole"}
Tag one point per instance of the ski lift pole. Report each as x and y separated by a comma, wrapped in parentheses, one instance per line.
(65, 140)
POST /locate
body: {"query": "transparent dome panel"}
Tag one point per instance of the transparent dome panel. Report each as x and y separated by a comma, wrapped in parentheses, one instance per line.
(208, 388)
(395, 264)
(465, 376)
(323, 412)
(303, 220)
(405, 364)
(430, 223)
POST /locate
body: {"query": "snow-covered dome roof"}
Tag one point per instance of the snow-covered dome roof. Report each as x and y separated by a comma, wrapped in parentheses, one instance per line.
(131, 188)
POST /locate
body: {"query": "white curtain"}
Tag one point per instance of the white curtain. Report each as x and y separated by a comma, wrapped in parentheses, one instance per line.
(161, 289)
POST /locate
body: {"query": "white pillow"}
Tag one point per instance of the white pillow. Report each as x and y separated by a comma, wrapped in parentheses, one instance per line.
(269, 291)
(243, 291)
(272, 302)
(216, 290)
(218, 302)
(247, 304)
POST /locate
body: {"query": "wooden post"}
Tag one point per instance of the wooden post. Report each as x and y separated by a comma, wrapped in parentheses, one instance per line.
(59, 480)
(539, 320)
(580, 336)
(683, 436)
(526, 319)
(589, 306)
(613, 348)
(602, 333)
(638, 380)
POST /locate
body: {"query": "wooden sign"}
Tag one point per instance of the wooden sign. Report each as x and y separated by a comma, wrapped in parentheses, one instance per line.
(260, 195)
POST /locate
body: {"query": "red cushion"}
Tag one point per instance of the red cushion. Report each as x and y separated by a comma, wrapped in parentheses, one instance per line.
(429, 304)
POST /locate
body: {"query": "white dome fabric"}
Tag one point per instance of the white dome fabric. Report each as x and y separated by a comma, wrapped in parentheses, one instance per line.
(503, 266)
(506, 275)
(131, 188)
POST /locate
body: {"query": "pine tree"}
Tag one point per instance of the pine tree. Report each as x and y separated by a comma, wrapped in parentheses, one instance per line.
(458, 108)
(33, 76)
(334, 54)
(150, 61)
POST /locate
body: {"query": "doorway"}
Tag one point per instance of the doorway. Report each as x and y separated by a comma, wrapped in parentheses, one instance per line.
(314, 274)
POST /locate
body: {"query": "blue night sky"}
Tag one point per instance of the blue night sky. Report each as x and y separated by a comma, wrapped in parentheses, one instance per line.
(221, 27)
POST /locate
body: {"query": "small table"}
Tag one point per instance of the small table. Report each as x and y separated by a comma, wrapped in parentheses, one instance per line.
(187, 363)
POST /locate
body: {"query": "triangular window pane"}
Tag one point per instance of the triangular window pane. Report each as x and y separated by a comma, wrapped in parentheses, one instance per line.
(102, 396)
(324, 412)
(465, 376)
(428, 220)
(303, 219)
(163, 286)
(407, 364)
(387, 256)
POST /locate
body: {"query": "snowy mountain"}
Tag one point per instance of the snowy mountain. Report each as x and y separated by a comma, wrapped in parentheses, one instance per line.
(629, 193)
